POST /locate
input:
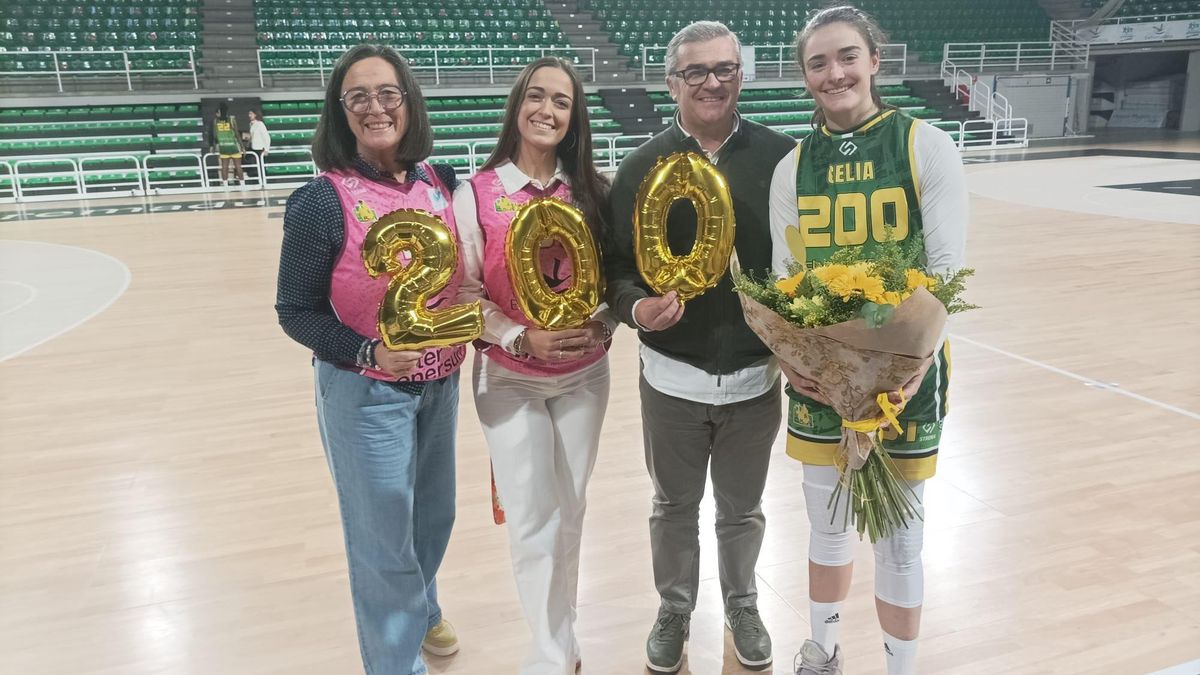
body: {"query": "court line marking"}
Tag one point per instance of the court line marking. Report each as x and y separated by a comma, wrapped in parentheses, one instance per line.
(1189, 668)
(1086, 380)
(83, 319)
(32, 295)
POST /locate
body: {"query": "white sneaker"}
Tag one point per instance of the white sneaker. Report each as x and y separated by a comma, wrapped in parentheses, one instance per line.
(812, 660)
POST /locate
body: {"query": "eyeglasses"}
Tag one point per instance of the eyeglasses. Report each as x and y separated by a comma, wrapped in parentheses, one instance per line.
(695, 76)
(359, 101)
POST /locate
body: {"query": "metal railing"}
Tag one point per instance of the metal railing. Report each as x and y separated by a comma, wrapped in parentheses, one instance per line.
(56, 58)
(34, 190)
(193, 174)
(783, 54)
(11, 188)
(443, 63)
(135, 185)
(1017, 56)
(991, 134)
(978, 96)
(188, 182)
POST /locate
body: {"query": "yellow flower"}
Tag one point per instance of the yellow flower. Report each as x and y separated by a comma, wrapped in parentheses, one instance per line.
(870, 286)
(789, 285)
(914, 279)
(827, 273)
(842, 286)
(890, 298)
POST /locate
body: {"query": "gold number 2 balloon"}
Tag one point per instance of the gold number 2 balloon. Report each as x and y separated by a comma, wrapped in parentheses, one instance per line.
(405, 321)
(536, 221)
(683, 175)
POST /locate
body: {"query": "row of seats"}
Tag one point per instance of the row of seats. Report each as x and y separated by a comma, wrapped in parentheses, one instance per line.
(924, 25)
(101, 61)
(471, 23)
(487, 38)
(1156, 9)
(97, 25)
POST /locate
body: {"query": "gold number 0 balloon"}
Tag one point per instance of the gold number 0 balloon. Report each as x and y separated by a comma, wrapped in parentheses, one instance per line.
(405, 322)
(683, 175)
(536, 221)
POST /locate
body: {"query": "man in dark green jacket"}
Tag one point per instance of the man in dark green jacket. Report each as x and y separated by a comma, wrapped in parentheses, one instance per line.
(710, 389)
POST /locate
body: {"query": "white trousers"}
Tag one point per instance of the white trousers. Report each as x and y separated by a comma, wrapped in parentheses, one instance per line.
(543, 433)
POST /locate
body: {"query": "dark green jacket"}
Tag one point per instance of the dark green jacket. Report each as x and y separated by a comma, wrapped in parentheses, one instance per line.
(712, 334)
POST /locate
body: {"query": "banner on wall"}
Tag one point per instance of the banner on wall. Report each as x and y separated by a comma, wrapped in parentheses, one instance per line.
(1153, 31)
(749, 71)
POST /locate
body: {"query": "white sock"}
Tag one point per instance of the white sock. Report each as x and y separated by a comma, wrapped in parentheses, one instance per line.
(901, 655)
(826, 619)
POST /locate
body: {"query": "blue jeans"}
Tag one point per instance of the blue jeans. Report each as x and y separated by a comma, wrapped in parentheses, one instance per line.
(392, 458)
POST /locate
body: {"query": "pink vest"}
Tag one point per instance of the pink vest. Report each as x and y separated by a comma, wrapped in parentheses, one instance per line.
(496, 209)
(355, 296)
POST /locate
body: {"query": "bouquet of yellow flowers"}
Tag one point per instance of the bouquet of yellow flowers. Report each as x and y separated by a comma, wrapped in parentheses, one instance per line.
(860, 329)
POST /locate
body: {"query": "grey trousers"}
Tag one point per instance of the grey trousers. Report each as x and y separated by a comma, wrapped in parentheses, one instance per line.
(682, 439)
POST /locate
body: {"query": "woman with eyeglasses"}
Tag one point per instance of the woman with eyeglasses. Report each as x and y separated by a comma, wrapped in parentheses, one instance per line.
(540, 394)
(387, 418)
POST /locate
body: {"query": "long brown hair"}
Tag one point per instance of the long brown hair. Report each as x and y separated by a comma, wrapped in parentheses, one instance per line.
(589, 189)
(867, 27)
(334, 145)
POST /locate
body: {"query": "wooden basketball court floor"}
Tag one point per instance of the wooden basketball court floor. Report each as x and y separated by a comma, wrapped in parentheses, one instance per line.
(165, 505)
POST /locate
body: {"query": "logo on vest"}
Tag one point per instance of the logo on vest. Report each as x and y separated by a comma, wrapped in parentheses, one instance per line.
(352, 183)
(848, 148)
(506, 205)
(364, 213)
(437, 199)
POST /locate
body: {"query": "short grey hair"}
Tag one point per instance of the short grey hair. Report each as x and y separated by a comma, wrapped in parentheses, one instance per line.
(700, 31)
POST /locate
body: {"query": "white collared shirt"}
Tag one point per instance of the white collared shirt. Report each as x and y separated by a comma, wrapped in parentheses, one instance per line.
(681, 380)
(498, 328)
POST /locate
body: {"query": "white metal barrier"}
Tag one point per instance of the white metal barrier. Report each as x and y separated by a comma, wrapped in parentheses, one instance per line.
(443, 63)
(249, 159)
(134, 185)
(977, 94)
(1018, 56)
(8, 183)
(34, 190)
(989, 134)
(890, 55)
(164, 173)
(55, 59)
(192, 178)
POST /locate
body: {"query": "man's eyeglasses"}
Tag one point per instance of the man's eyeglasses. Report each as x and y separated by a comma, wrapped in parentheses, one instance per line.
(695, 76)
(359, 101)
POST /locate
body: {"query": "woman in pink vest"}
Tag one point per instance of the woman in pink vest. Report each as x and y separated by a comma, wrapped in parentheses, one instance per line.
(541, 395)
(387, 418)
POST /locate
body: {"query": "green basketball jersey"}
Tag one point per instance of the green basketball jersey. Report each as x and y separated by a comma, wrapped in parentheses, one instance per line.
(227, 140)
(851, 186)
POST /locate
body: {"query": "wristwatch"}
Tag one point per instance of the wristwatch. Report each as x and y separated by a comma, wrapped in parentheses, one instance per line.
(518, 344)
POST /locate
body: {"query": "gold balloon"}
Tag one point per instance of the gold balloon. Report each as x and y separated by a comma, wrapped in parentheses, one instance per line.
(405, 321)
(683, 175)
(536, 221)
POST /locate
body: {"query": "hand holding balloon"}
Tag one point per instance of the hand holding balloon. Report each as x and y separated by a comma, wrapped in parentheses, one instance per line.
(559, 345)
(405, 320)
(544, 219)
(683, 175)
(396, 363)
(658, 313)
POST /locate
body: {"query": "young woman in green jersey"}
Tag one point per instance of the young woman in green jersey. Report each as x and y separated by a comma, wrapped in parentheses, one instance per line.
(866, 168)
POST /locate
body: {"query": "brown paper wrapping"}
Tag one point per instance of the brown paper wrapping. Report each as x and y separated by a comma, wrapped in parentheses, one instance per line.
(851, 362)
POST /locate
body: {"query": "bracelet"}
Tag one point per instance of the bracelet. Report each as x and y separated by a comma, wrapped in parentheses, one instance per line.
(606, 333)
(366, 355)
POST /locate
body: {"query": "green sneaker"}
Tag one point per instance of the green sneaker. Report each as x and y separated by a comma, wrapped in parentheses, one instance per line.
(664, 647)
(751, 643)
